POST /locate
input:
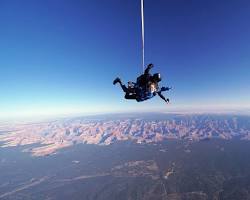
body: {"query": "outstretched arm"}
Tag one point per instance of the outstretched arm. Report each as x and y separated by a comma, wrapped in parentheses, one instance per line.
(160, 95)
(150, 66)
(163, 89)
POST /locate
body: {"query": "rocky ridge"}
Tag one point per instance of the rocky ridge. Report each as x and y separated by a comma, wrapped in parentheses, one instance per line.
(55, 135)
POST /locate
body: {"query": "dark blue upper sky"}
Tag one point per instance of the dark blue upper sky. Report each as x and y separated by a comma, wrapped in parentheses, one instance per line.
(61, 56)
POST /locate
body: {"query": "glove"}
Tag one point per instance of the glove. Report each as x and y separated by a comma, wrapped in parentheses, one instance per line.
(165, 88)
(150, 65)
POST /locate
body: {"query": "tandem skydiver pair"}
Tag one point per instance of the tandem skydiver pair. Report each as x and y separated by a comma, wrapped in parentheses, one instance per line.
(146, 86)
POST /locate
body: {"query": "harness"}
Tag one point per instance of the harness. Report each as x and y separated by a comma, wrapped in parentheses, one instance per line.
(148, 92)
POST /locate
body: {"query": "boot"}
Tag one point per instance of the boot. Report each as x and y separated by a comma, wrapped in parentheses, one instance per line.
(117, 80)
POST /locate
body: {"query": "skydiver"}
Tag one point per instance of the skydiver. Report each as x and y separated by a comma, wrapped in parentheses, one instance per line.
(146, 86)
(151, 84)
(141, 82)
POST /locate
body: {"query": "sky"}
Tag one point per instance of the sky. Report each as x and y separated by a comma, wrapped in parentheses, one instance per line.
(61, 56)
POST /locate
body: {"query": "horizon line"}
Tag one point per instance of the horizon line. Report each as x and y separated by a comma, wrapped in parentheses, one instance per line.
(188, 110)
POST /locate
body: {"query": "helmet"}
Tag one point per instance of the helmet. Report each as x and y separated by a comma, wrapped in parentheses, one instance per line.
(157, 77)
(130, 84)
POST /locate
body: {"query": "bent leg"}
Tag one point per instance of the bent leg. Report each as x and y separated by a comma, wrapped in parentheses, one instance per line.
(124, 88)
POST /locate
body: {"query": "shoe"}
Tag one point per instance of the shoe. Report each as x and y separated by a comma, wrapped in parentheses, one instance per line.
(117, 80)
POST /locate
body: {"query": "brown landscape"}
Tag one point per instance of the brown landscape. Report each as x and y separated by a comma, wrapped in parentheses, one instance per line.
(58, 134)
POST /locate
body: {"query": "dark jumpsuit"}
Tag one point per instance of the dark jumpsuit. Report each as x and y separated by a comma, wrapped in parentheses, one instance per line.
(140, 91)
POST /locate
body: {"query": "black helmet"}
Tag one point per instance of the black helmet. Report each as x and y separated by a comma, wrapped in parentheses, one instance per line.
(157, 77)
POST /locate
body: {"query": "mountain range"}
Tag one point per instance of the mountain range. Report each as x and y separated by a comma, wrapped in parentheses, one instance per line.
(50, 136)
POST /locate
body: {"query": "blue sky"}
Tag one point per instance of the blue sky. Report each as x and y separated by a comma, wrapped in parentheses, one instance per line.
(60, 57)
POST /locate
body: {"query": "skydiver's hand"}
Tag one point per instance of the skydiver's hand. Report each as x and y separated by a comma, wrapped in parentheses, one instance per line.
(166, 88)
(167, 100)
(150, 65)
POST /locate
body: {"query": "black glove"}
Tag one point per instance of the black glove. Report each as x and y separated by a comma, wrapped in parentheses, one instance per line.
(150, 65)
(165, 88)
